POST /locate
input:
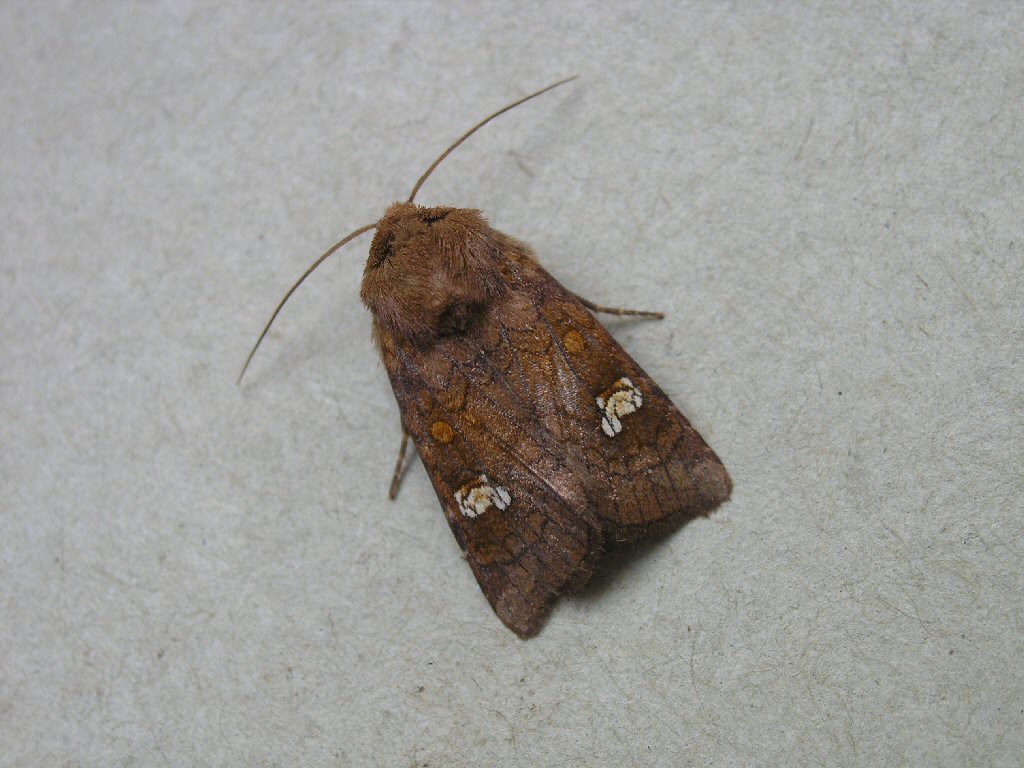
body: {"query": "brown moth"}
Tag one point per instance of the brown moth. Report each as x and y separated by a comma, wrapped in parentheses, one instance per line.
(546, 443)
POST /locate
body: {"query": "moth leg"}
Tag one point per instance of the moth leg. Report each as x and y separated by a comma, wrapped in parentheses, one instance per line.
(400, 467)
(618, 310)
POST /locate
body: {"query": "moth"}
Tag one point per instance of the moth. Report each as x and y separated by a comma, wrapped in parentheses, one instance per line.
(545, 442)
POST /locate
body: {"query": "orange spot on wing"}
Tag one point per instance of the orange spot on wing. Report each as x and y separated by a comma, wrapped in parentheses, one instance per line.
(441, 431)
(573, 342)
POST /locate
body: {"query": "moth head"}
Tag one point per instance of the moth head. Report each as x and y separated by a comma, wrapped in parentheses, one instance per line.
(431, 272)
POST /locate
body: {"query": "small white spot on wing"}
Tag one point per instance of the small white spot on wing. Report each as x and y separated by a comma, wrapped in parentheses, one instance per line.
(478, 496)
(619, 400)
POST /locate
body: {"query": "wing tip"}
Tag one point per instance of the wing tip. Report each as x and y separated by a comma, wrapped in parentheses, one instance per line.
(524, 619)
(714, 483)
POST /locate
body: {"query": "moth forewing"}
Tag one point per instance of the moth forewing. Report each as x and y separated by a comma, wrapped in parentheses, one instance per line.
(545, 442)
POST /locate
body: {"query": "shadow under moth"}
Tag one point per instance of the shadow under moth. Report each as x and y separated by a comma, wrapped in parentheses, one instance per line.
(545, 442)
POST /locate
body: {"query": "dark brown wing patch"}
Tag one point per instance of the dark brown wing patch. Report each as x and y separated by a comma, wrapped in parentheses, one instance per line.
(517, 508)
(545, 441)
(650, 469)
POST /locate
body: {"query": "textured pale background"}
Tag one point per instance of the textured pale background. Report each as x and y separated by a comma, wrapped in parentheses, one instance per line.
(829, 206)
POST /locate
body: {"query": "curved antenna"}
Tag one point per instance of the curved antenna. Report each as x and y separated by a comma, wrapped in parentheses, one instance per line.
(368, 227)
(477, 127)
(296, 284)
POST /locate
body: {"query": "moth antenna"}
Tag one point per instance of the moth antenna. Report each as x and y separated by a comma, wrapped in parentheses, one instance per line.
(368, 227)
(296, 284)
(477, 127)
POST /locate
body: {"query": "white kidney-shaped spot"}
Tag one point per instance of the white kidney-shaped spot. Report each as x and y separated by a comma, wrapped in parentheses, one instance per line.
(478, 496)
(620, 399)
